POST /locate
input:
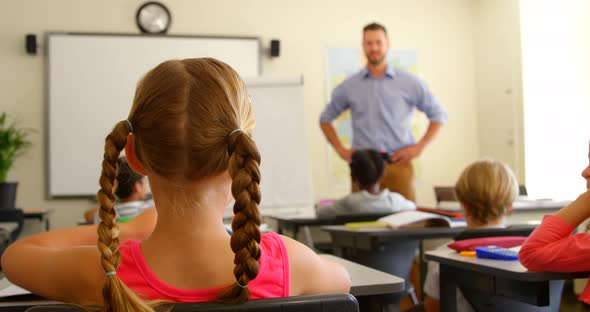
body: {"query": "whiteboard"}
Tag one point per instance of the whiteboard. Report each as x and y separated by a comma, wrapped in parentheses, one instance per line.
(91, 82)
(280, 137)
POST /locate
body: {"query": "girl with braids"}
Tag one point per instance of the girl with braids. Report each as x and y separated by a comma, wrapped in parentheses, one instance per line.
(189, 132)
(366, 170)
(551, 247)
(486, 190)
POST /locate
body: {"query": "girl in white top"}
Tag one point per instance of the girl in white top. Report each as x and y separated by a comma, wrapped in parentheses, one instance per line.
(366, 169)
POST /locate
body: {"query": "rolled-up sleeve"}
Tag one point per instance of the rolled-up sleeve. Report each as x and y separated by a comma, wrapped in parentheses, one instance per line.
(426, 102)
(337, 105)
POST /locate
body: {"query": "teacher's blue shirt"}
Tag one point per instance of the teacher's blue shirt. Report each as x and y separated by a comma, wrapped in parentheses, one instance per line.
(382, 108)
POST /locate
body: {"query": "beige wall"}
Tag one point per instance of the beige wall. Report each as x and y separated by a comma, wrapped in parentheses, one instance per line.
(499, 82)
(442, 32)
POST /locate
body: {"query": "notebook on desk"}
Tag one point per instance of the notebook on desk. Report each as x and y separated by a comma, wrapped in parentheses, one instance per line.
(408, 219)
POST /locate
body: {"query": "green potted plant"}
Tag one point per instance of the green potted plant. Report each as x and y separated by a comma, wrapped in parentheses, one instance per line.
(14, 141)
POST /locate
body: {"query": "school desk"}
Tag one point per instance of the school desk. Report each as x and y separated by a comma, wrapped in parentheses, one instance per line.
(523, 209)
(497, 285)
(290, 222)
(40, 214)
(393, 251)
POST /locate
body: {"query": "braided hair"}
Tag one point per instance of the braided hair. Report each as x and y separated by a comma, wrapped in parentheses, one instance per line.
(182, 116)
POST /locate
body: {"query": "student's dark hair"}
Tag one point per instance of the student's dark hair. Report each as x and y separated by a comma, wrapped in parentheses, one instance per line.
(375, 26)
(126, 179)
(182, 116)
(366, 167)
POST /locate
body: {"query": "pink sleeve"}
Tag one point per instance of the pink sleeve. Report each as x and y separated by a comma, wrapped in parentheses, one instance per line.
(551, 248)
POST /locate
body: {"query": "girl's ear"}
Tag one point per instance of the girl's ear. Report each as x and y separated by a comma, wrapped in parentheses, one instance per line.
(132, 160)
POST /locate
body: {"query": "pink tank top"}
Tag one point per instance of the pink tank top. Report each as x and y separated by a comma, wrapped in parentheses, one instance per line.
(272, 280)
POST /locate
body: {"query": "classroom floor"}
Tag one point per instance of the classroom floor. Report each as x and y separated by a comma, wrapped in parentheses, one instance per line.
(569, 301)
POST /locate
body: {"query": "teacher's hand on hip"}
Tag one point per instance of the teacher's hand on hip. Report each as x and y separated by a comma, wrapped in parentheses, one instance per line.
(345, 154)
(407, 153)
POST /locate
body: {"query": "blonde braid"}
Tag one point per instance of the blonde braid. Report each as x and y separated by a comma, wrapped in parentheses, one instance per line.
(244, 169)
(117, 297)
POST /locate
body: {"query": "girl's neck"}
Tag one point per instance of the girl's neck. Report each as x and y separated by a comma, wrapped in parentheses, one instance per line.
(374, 189)
(191, 211)
(190, 234)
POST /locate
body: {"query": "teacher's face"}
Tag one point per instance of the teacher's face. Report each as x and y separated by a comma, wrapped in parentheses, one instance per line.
(375, 45)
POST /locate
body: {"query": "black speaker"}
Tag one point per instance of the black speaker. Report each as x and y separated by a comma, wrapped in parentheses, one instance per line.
(31, 44)
(275, 48)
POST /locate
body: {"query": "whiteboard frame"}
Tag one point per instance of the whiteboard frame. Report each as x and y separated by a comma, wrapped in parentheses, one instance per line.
(47, 85)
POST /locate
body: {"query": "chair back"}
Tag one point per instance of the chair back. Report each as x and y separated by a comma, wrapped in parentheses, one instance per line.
(13, 215)
(522, 190)
(445, 193)
(314, 303)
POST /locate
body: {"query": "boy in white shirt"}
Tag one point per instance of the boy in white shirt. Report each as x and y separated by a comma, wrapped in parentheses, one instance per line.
(486, 190)
(131, 193)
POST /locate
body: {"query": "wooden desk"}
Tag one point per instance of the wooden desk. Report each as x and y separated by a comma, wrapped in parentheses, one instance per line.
(40, 214)
(503, 284)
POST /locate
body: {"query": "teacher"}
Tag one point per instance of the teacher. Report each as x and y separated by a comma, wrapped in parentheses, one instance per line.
(382, 101)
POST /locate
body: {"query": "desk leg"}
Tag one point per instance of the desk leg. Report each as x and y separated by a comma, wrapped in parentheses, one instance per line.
(448, 288)
(338, 251)
(422, 269)
(280, 228)
(308, 237)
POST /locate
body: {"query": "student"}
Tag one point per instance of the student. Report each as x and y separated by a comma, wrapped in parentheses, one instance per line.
(551, 248)
(131, 193)
(486, 190)
(366, 169)
(189, 132)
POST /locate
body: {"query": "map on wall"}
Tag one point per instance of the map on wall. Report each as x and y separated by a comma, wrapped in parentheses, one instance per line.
(342, 63)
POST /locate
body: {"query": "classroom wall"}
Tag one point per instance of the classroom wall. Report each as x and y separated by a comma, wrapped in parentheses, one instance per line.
(499, 82)
(442, 32)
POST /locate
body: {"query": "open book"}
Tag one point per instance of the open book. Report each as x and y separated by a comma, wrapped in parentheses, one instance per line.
(8, 289)
(408, 219)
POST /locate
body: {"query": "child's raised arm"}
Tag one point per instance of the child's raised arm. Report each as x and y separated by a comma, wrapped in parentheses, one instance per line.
(551, 248)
